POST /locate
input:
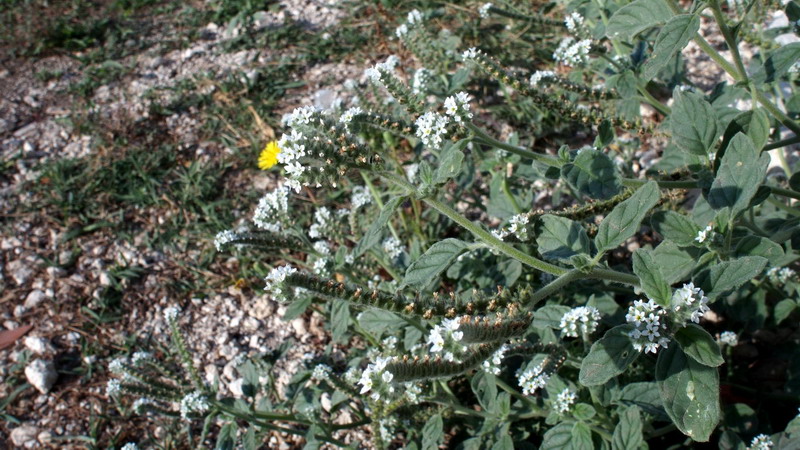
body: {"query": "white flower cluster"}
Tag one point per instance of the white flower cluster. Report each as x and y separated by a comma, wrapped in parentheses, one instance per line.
(348, 115)
(704, 234)
(321, 263)
(574, 22)
(692, 300)
(414, 17)
(171, 313)
(649, 332)
(117, 366)
(274, 279)
(375, 73)
(422, 77)
(458, 107)
(360, 197)
(572, 53)
(129, 446)
(470, 53)
(533, 379)
(518, 226)
(113, 387)
(781, 275)
(761, 442)
(540, 75)
(272, 210)
(323, 223)
(321, 372)
(401, 31)
(193, 402)
(377, 379)
(484, 10)
(564, 401)
(580, 321)
(222, 238)
(412, 391)
(431, 128)
(729, 338)
(301, 115)
(292, 147)
(393, 247)
(445, 338)
(492, 364)
(138, 357)
(499, 234)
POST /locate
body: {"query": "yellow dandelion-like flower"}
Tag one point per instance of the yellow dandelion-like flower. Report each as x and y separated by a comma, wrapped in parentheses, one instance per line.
(268, 156)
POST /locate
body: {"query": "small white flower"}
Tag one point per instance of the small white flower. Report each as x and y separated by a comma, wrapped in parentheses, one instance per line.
(393, 247)
(222, 238)
(781, 275)
(702, 235)
(574, 22)
(458, 107)
(422, 77)
(564, 401)
(171, 313)
(194, 402)
(572, 53)
(321, 372)
(484, 10)
(360, 197)
(540, 75)
(533, 379)
(140, 403)
(518, 226)
(401, 31)
(729, 338)
(492, 365)
(138, 357)
(414, 17)
(580, 321)
(691, 300)
(117, 366)
(323, 223)
(113, 387)
(274, 279)
(348, 115)
(431, 128)
(129, 446)
(649, 333)
(761, 442)
(373, 74)
(471, 53)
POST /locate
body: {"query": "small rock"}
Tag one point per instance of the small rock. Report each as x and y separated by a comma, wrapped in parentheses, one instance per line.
(41, 374)
(20, 310)
(24, 436)
(45, 437)
(56, 272)
(34, 299)
(105, 279)
(20, 272)
(38, 344)
(236, 387)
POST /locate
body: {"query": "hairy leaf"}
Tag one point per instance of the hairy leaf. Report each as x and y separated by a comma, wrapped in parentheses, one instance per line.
(636, 17)
(740, 174)
(777, 64)
(628, 432)
(433, 262)
(672, 38)
(699, 345)
(625, 218)
(375, 231)
(729, 275)
(593, 174)
(608, 357)
(693, 123)
(560, 238)
(647, 268)
(675, 227)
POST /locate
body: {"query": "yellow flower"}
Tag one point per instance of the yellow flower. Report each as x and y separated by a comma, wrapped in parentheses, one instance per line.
(268, 156)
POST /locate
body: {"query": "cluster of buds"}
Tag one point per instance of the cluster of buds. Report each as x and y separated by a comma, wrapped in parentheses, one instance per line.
(580, 321)
(689, 303)
(650, 329)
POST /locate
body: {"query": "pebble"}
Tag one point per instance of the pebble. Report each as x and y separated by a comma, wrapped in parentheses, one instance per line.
(25, 436)
(41, 374)
(38, 345)
(34, 299)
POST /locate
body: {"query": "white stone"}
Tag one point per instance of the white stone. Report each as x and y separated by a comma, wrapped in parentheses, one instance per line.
(37, 344)
(20, 272)
(235, 387)
(34, 299)
(24, 436)
(41, 374)
(105, 279)
(20, 310)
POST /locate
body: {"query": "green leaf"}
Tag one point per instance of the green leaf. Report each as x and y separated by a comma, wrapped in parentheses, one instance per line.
(558, 438)
(549, 316)
(485, 389)
(608, 357)
(777, 64)
(784, 309)
(741, 172)
(754, 123)
(646, 267)
(636, 17)
(759, 246)
(340, 319)
(583, 411)
(378, 321)
(559, 238)
(375, 231)
(433, 262)
(693, 123)
(628, 432)
(432, 433)
(699, 345)
(581, 437)
(729, 275)
(249, 439)
(593, 174)
(672, 38)
(675, 227)
(644, 395)
(226, 439)
(690, 392)
(450, 161)
(296, 308)
(624, 220)
(676, 263)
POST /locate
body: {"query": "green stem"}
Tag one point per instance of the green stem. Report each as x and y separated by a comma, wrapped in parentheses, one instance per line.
(729, 39)
(377, 197)
(775, 111)
(782, 143)
(482, 136)
(554, 286)
(785, 192)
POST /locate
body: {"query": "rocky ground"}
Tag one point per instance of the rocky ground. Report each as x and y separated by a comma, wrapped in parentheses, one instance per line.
(70, 283)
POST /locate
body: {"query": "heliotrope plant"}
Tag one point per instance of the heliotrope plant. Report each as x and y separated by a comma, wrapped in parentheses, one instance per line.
(467, 310)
